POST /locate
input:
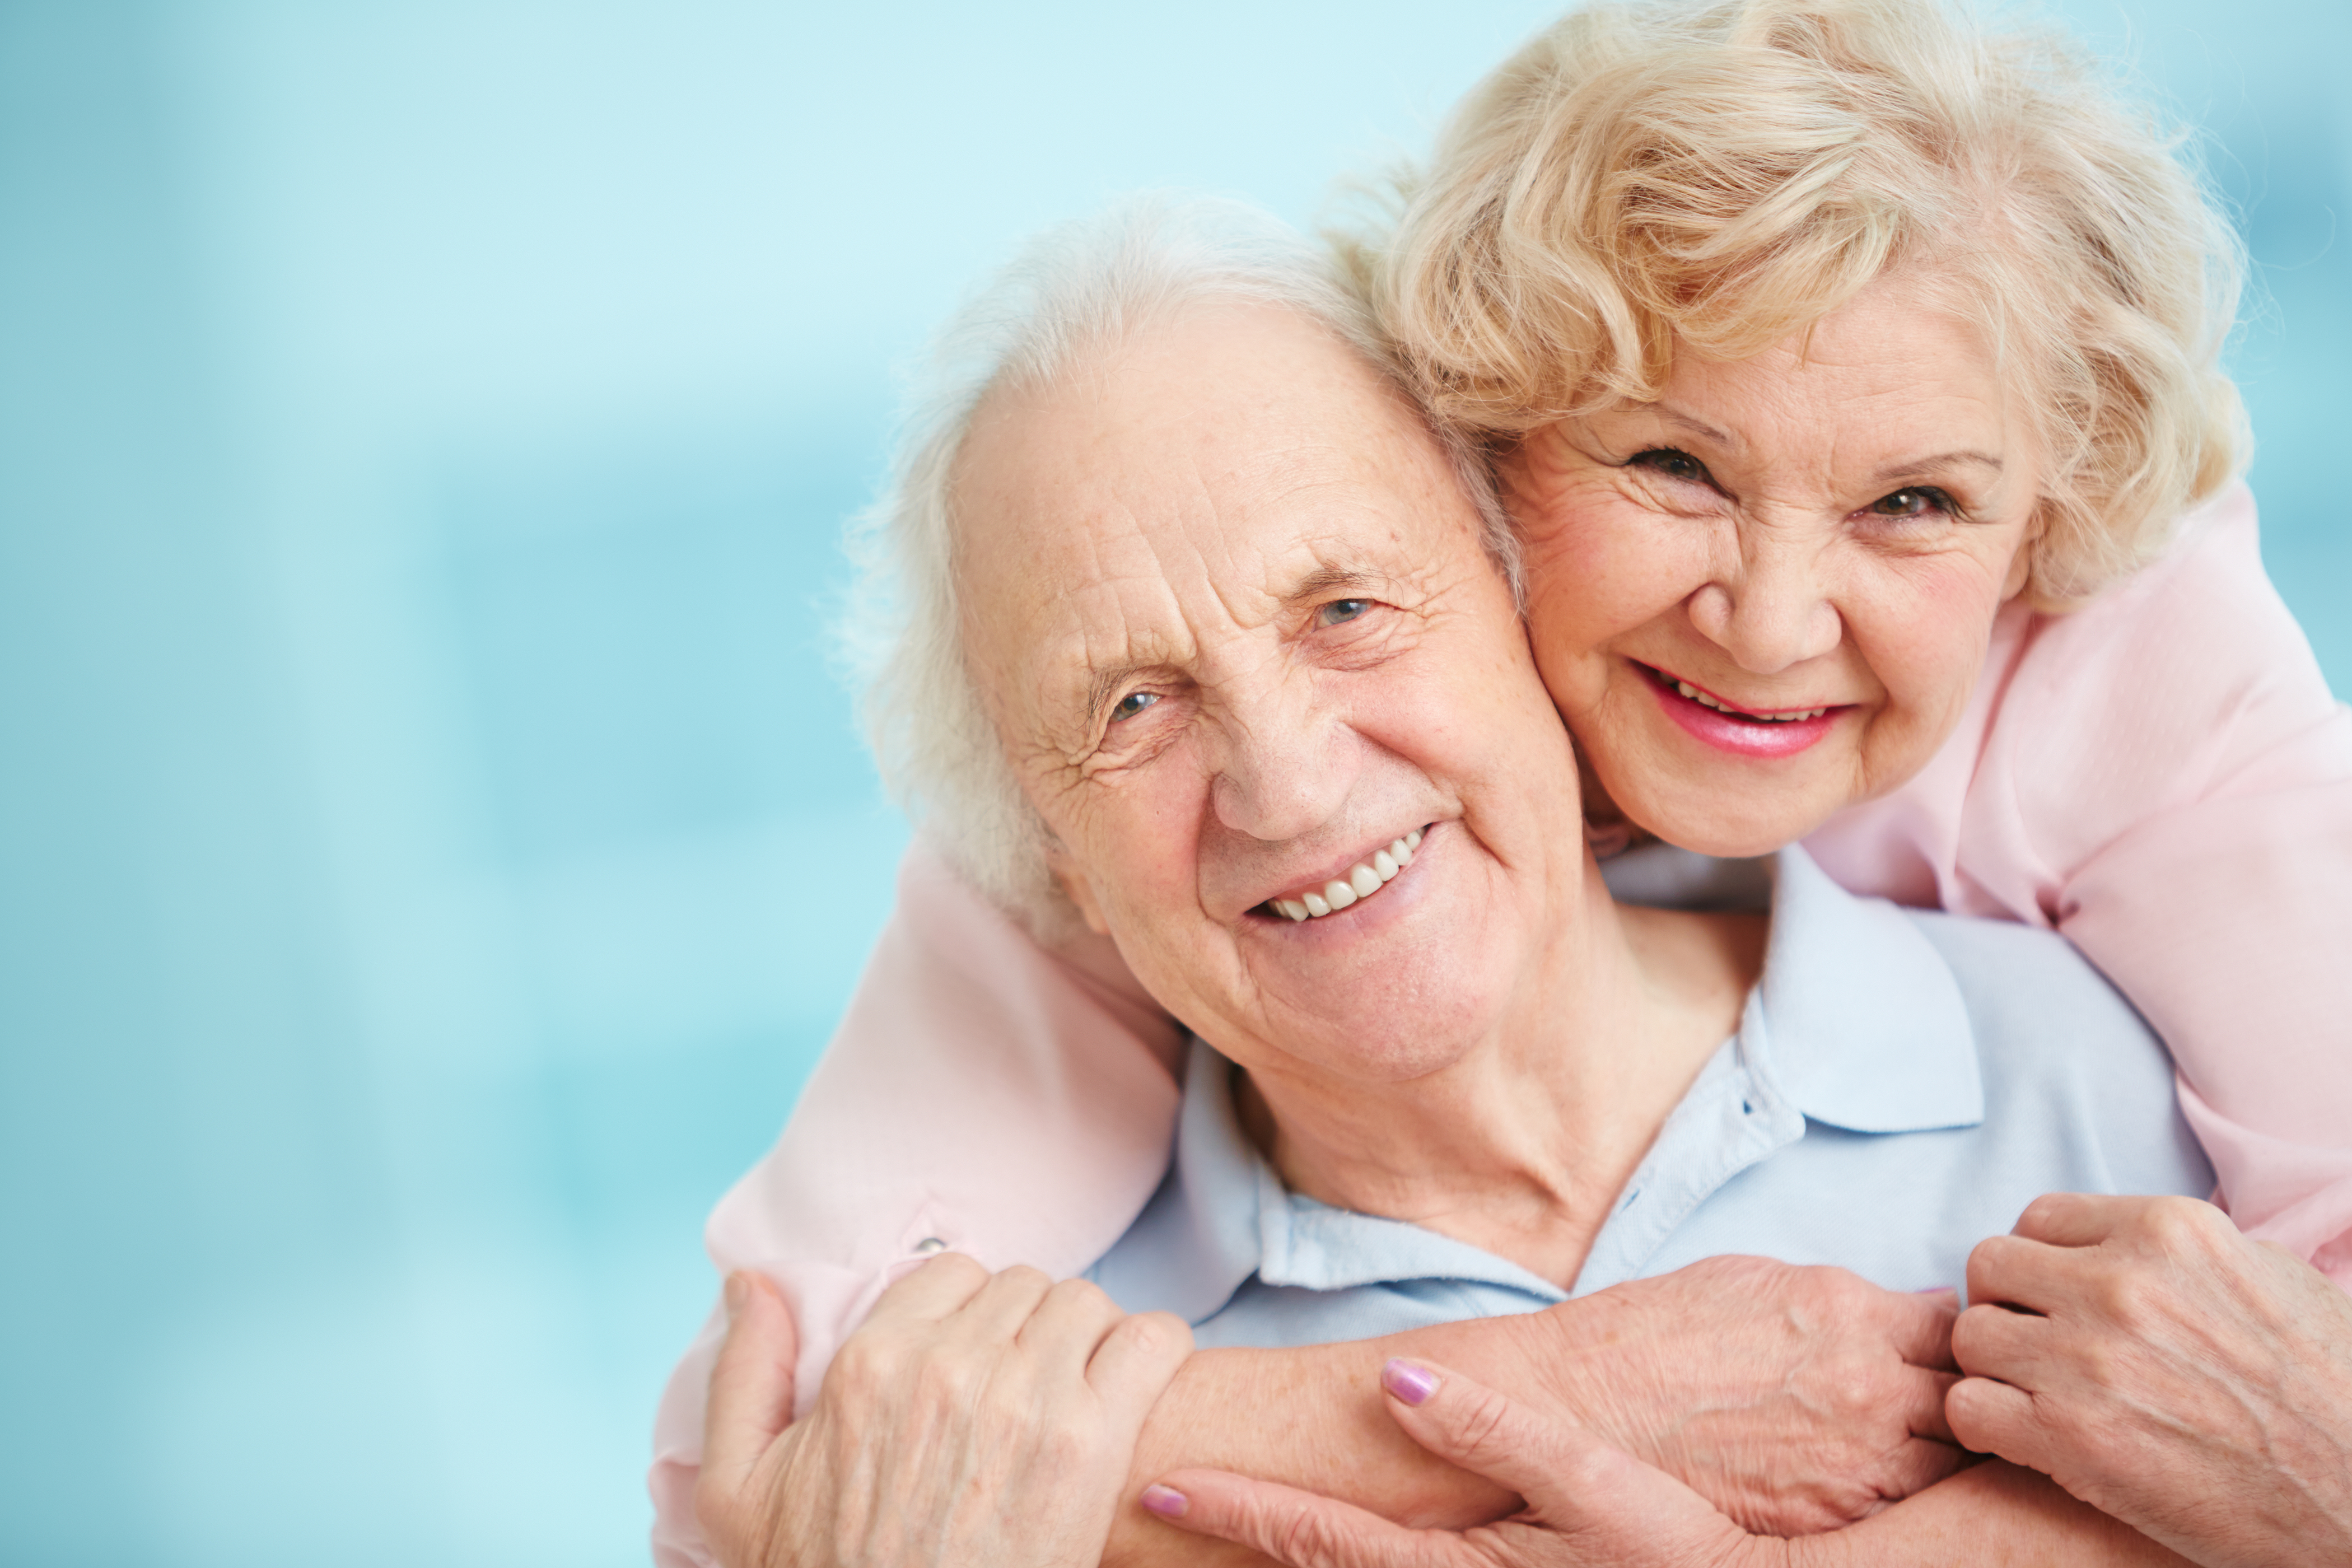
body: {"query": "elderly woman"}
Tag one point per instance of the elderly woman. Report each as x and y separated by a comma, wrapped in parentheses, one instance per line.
(1620, 274)
(1242, 639)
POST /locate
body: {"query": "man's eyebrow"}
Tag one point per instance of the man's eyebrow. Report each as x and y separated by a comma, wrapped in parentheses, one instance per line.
(1327, 580)
(1103, 683)
(1912, 466)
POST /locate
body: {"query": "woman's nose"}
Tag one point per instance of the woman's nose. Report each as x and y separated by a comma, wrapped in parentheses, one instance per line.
(1282, 778)
(1771, 613)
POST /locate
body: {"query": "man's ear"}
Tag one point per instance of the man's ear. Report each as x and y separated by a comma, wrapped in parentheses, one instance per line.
(1079, 889)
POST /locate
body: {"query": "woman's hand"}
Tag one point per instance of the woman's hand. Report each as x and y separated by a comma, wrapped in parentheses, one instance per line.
(2160, 1366)
(1586, 1503)
(971, 1419)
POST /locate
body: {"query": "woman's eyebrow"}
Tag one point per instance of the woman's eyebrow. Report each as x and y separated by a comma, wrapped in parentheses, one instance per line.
(1911, 465)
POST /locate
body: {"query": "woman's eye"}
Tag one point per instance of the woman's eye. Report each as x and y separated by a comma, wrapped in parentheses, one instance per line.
(1131, 704)
(1915, 501)
(1341, 610)
(1673, 463)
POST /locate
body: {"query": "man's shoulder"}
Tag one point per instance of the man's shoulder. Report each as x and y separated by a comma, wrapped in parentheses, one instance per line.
(2053, 1035)
(2024, 982)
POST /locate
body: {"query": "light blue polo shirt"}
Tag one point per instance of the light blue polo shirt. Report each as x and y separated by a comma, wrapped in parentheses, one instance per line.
(1901, 1086)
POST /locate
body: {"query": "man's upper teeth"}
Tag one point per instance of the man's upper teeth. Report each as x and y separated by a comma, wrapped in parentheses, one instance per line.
(1704, 700)
(1364, 880)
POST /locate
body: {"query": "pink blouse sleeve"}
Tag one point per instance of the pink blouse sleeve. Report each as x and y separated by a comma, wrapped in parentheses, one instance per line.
(2165, 778)
(981, 1096)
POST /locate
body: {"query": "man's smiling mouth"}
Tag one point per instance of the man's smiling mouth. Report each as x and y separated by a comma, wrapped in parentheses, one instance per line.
(1364, 879)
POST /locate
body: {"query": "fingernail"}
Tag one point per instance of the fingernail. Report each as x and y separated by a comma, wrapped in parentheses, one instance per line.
(1938, 1290)
(1165, 1501)
(1409, 1382)
(739, 1290)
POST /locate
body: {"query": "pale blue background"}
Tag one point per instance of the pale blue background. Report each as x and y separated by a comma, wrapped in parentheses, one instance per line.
(431, 847)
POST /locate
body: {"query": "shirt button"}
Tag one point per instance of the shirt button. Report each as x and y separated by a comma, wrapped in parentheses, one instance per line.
(930, 1245)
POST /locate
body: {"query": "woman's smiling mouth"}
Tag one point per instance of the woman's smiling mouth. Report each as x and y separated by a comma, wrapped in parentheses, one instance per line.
(1742, 731)
(1362, 879)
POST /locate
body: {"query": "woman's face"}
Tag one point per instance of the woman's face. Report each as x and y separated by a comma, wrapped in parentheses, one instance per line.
(1767, 595)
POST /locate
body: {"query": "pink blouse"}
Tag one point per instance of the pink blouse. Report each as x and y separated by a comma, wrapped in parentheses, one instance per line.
(2163, 776)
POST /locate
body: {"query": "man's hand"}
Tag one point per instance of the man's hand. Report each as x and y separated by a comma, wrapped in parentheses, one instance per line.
(2161, 1367)
(1796, 1400)
(972, 1418)
(1587, 1504)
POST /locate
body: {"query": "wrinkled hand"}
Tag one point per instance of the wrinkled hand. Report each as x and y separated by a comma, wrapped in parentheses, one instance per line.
(1586, 1503)
(2163, 1368)
(971, 1419)
(1796, 1400)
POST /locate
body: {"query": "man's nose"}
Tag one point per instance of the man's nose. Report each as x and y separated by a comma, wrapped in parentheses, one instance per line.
(1282, 772)
(1769, 610)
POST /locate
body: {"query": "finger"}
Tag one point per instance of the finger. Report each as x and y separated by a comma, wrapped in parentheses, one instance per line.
(2075, 1219)
(751, 1381)
(937, 1289)
(1611, 1505)
(1993, 1417)
(1994, 1341)
(1919, 1326)
(1923, 1403)
(1002, 1307)
(2019, 1272)
(1297, 1528)
(1136, 1362)
(1069, 1325)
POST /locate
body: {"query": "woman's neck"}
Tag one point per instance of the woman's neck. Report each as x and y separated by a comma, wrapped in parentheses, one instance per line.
(1521, 1147)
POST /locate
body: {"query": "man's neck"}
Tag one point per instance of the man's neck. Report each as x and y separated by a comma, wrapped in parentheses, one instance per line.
(1522, 1146)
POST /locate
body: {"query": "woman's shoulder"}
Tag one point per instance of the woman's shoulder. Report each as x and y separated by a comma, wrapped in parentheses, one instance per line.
(2162, 688)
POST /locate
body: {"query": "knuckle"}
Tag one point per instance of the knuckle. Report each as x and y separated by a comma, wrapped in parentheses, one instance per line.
(1480, 1425)
(1024, 1275)
(957, 1267)
(1084, 1293)
(1302, 1536)
(2180, 1227)
(1839, 1295)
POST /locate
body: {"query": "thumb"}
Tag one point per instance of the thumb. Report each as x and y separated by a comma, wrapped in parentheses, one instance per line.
(751, 1381)
(1607, 1503)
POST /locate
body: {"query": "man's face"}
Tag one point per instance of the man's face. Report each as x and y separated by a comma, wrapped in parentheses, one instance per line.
(1228, 607)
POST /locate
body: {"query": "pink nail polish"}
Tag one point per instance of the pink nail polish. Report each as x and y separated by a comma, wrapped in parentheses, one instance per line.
(1409, 1382)
(1165, 1501)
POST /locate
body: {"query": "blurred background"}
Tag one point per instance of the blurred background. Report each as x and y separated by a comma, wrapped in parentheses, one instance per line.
(433, 846)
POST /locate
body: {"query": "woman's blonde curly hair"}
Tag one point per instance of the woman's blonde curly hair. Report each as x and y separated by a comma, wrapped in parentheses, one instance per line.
(1649, 177)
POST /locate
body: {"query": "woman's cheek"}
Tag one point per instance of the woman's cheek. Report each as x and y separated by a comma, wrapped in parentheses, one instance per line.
(1607, 568)
(1924, 632)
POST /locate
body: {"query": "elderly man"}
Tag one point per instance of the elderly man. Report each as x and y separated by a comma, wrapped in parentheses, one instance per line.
(1201, 601)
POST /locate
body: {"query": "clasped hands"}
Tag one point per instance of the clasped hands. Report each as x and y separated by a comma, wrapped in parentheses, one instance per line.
(2140, 1351)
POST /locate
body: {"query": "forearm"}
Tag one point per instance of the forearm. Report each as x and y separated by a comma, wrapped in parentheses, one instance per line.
(1312, 1417)
(1990, 1516)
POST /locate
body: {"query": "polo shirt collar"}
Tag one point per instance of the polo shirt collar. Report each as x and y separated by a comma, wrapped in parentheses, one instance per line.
(1858, 1019)
(1857, 1023)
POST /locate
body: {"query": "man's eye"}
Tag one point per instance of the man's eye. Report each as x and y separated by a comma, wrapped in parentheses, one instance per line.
(1915, 501)
(1340, 610)
(1131, 704)
(1673, 463)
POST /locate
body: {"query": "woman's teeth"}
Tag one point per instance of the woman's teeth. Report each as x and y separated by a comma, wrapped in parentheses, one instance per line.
(1364, 880)
(1704, 700)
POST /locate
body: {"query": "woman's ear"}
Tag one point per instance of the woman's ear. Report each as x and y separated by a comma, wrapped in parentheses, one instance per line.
(1078, 889)
(2021, 565)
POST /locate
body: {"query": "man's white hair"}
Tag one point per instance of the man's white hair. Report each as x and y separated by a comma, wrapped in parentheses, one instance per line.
(1075, 291)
